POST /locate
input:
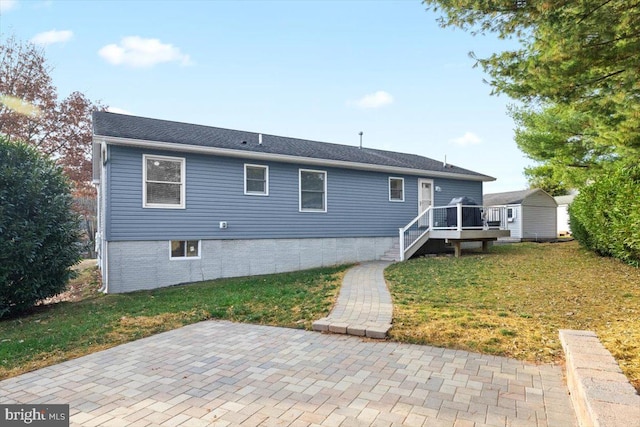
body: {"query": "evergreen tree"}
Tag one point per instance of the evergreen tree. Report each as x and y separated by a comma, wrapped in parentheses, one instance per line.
(38, 230)
(575, 74)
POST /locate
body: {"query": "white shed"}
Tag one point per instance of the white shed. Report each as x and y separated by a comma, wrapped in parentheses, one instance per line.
(531, 214)
(564, 228)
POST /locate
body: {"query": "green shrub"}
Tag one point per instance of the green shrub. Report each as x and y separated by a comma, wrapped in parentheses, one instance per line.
(38, 231)
(605, 216)
(578, 230)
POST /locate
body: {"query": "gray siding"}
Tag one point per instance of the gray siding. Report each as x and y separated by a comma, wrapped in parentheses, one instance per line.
(533, 222)
(452, 188)
(357, 204)
(539, 222)
(540, 212)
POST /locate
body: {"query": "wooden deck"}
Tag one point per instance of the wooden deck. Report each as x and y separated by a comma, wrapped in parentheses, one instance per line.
(468, 235)
(454, 224)
(458, 236)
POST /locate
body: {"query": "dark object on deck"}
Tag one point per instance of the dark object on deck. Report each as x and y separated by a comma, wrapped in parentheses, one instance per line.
(471, 216)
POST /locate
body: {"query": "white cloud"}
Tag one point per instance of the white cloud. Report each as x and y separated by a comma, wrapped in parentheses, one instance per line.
(7, 5)
(374, 100)
(137, 52)
(119, 111)
(469, 138)
(50, 37)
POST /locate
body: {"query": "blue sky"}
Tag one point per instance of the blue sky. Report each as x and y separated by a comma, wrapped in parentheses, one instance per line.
(320, 70)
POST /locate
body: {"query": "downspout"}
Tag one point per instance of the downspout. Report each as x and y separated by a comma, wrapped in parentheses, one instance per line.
(105, 268)
(104, 245)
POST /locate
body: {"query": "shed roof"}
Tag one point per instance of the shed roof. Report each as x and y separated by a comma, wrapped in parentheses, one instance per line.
(565, 200)
(125, 128)
(508, 198)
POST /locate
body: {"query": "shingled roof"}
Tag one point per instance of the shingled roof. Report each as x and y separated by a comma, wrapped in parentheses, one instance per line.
(565, 200)
(508, 198)
(123, 128)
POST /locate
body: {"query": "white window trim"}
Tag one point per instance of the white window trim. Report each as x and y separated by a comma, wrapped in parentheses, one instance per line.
(300, 209)
(185, 258)
(266, 180)
(395, 178)
(183, 182)
(514, 214)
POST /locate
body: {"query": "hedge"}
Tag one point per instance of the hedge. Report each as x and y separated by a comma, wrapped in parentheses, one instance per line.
(38, 231)
(605, 215)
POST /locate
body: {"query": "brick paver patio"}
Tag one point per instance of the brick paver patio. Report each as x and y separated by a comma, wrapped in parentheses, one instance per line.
(221, 373)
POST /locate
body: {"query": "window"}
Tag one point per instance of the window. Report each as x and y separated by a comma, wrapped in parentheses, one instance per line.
(256, 180)
(185, 249)
(396, 189)
(313, 191)
(163, 185)
(511, 214)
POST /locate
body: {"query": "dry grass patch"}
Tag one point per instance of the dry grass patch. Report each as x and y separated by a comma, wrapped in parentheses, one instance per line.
(85, 284)
(513, 301)
(139, 326)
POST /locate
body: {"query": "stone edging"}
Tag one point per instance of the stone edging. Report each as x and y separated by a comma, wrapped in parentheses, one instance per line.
(602, 396)
(326, 324)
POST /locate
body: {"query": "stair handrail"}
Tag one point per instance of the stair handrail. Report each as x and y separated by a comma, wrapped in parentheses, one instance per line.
(403, 230)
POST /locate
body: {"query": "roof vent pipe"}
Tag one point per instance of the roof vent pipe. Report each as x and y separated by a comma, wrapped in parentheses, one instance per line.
(260, 138)
(444, 164)
(360, 139)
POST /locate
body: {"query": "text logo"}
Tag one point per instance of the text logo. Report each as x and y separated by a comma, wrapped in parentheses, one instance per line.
(34, 415)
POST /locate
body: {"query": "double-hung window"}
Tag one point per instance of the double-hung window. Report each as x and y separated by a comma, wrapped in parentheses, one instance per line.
(256, 180)
(396, 189)
(313, 190)
(163, 182)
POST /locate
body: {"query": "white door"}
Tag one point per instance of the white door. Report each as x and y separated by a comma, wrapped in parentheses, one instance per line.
(425, 198)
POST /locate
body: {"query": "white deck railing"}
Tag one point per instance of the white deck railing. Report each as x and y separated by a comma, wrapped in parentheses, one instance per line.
(459, 217)
(469, 217)
(413, 231)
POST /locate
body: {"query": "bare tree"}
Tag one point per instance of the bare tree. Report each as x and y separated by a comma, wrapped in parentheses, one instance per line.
(60, 129)
(31, 112)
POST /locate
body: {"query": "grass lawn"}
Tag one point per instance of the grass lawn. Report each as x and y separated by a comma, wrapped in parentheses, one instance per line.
(93, 321)
(509, 302)
(513, 300)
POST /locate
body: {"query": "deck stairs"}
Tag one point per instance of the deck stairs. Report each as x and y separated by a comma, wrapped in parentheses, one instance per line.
(414, 235)
(416, 243)
(453, 224)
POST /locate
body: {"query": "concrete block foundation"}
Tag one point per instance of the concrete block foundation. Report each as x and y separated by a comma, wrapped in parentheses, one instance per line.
(138, 265)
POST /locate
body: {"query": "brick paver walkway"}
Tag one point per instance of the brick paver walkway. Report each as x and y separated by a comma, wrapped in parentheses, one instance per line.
(363, 306)
(221, 373)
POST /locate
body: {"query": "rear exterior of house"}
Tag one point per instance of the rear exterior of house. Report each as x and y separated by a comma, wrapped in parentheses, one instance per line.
(531, 214)
(182, 203)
